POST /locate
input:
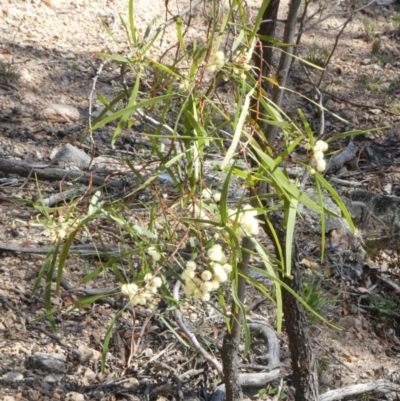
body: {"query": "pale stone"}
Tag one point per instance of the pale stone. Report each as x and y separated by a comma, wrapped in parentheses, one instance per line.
(74, 397)
(61, 113)
(11, 377)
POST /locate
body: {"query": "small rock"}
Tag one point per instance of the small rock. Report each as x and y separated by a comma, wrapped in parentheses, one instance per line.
(70, 156)
(25, 76)
(86, 354)
(388, 188)
(348, 114)
(49, 381)
(89, 377)
(147, 353)
(349, 322)
(348, 357)
(54, 363)
(69, 56)
(11, 377)
(74, 397)
(61, 113)
(65, 80)
(366, 61)
(375, 111)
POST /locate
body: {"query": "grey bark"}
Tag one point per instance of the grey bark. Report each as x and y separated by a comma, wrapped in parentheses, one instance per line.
(230, 354)
(284, 64)
(262, 58)
(304, 367)
(48, 172)
(305, 378)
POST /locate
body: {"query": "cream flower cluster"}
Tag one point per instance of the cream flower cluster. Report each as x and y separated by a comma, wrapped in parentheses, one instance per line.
(201, 284)
(140, 296)
(318, 155)
(197, 210)
(152, 251)
(319, 149)
(61, 229)
(247, 222)
(216, 61)
(242, 59)
(207, 194)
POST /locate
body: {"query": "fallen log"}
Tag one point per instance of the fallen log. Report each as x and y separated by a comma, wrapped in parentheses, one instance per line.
(84, 250)
(378, 386)
(51, 172)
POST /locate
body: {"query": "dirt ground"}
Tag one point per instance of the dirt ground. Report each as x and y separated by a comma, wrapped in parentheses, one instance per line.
(52, 46)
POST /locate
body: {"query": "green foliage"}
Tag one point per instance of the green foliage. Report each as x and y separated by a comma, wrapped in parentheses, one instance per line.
(384, 58)
(394, 85)
(371, 83)
(323, 365)
(270, 390)
(9, 76)
(316, 297)
(385, 305)
(318, 55)
(369, 29)
(395, 17)
(183, 104)
(376, 46)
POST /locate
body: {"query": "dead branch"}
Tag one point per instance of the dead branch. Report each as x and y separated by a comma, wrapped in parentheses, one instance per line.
(88, 250)
(337, 161)
(244, 379)
(50, 172)
(379, 386)
(197, 346)
(63, 196)
(342, 99)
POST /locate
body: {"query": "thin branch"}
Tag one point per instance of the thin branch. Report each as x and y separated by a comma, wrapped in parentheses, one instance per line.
(197, 346)
(332, 14)
(320, 105)
(342, 99)
(334, 48)
(173, 19)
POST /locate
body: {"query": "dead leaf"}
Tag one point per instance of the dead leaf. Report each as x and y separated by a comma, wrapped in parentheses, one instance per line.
(119, 346)
(310, 264)
(327, 270)
(4, 51)
(348, 357)
(345, 308)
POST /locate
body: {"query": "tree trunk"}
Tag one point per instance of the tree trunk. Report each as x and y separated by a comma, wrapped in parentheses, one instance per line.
(230, 349)
(230, 362)
(305, 379)
(262, 58)
(284, 63)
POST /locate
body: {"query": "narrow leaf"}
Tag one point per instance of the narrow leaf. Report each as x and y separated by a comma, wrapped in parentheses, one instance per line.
(120, 113)
(337, 199)
(238, 130)
(290, 217)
